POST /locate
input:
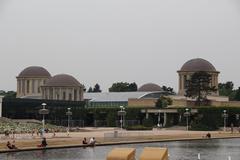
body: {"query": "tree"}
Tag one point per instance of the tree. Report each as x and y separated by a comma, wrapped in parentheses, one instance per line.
(8, 94)
(163, 102)
(97, 88)
(90, 90)
(199, 86)
(133, 86)
(168, 89)
(84, 89)
(123, 87)
(226, 89)
(237, 95)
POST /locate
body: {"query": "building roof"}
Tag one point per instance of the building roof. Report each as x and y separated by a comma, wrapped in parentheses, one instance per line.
(149, 87)
(198, 64)
(34, 71)
(119, 96)
(62, 80)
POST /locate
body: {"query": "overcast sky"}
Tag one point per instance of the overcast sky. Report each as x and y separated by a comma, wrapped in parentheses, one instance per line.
(105, 41)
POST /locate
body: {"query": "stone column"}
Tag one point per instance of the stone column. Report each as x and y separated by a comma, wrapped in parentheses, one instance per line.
(23, 87)
(216, 81)
(165, 119)
(179, 83)
(1, 97)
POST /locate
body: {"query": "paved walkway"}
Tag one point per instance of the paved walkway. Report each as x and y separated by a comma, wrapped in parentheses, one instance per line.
(108, 136)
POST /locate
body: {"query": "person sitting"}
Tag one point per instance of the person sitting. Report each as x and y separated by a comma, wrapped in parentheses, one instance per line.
(84, 141)
(44, 143)
(208, 135)
(92, 141)
(11, 146)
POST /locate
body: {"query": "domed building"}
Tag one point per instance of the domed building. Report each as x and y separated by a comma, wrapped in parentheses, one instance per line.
(149, 87)
(196, 65)
(30, 80)
(62, 87)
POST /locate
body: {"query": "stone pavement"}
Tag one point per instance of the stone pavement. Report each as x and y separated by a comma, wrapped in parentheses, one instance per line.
(109, 136)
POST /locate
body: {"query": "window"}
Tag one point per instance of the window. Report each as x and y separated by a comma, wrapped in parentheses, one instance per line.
(70, 96)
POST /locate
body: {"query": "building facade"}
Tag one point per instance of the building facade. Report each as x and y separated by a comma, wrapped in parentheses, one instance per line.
(196, 65)
(30, 80)
(62, 87)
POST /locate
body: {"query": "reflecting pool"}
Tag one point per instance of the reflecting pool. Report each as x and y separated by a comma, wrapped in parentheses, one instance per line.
(181, 150)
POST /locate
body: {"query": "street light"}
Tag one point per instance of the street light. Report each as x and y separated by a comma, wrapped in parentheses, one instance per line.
(43, 112)
(68, 113)
(121, 113)
(224, 115)
(187, 114)
(158, 125)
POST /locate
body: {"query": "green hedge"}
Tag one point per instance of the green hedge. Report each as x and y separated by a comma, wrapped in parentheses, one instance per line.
(138, 127)
(210, 118)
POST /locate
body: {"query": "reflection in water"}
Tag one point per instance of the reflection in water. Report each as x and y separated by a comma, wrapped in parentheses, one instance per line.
(184, 150)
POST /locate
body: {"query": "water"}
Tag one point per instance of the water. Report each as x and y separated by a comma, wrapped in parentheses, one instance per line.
(183, 150)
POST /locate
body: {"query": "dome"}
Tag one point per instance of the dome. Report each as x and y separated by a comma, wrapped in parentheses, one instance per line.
(149, 87)
(34, 71)
(198, 64)
(62, 80)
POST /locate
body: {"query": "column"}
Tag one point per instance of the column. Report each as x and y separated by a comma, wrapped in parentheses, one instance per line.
(179, 82)
(1, 97)
(30, 86)
(25, 87)
(18, 87)
(216, 81)
(165, 119)
(182, 84)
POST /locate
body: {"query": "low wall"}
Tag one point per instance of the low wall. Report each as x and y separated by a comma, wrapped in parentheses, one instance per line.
(225, 104)
(152, 101)
(142, 102)
(178, 102)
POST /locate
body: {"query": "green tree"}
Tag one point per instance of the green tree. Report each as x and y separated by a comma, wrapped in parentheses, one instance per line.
(163, 102)
(198, 86)
(133, 87)
(226, 89)
(237, 95)
(90, 90)
(123, 87)
(97, 88)
(168, 89)
(8, 94)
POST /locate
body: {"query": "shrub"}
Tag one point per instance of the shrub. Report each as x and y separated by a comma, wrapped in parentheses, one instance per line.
(148, 122)
(138, 127)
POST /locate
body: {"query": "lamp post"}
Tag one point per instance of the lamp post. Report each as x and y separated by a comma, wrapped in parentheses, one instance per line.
(187, 114)
(68, 113)
(224, 115)
(43, 112)
(158, 125)
(122, 113)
